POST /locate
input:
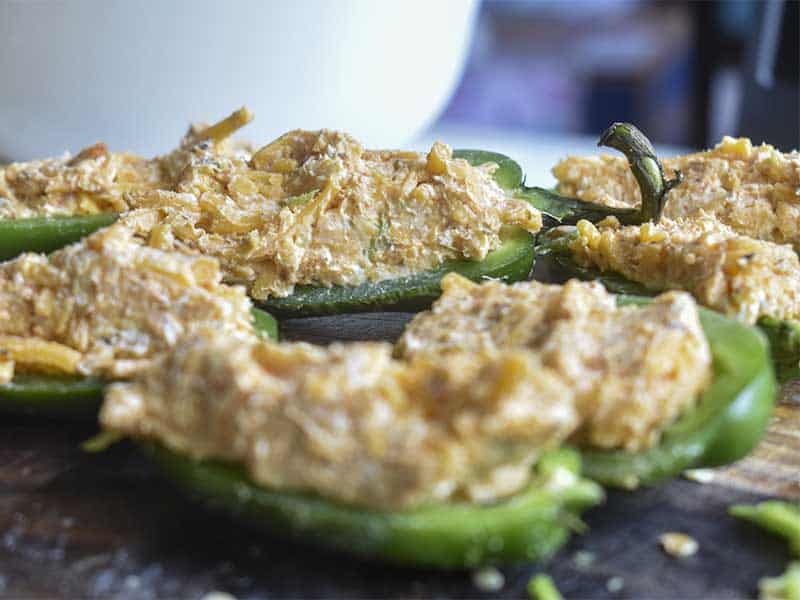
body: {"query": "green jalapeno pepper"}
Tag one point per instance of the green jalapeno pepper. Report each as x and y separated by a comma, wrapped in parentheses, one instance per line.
(511, 262)
(728, 421)
(529, 525)
(553, 254)
(74, 396)
(45, 234)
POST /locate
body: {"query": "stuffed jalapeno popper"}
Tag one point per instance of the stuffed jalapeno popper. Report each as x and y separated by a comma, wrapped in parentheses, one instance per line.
(311, 223)
(748, 278)
(449, 462)
(445, 454)
(101, 310)
(47, 204)
(660, 385)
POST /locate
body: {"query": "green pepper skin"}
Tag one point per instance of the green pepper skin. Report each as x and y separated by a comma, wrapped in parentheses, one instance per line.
(57, 396)
(45, 234)
(530, 525)
(513, 261)
(70, 396)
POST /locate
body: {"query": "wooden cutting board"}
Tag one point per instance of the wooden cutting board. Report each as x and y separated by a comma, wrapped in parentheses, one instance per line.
(97, 526)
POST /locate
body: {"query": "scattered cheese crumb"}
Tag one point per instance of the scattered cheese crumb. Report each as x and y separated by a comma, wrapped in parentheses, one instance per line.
(216, 595)
(583, 559)
(615, 584)
(699, 475)
(488, 579)
(678, 545)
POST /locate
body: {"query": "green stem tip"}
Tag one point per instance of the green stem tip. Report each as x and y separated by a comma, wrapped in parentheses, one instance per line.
(646, 167)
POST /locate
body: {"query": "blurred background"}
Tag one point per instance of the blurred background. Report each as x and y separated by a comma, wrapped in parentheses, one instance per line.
(683, 71)
(543, 79)
(536, 79)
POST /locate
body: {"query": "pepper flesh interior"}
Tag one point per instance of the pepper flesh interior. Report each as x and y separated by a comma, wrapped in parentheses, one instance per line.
(634, 370)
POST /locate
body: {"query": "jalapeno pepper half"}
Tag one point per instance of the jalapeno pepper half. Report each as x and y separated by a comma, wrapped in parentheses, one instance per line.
(511, 262)
(70, 396)
(554, 258)
(529, 525)
(728, 420)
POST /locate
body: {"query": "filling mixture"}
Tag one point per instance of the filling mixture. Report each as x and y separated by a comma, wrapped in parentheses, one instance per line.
(99, 181)
(350, 422)
(312, 207)
(107, 305)
(740, 276)
(633, 370)
(753, 190)
(546, 364)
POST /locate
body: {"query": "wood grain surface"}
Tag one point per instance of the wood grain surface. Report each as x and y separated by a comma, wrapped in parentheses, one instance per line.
(74, 525)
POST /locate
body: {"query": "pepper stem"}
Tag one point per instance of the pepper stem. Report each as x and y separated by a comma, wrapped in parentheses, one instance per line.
(646, 167)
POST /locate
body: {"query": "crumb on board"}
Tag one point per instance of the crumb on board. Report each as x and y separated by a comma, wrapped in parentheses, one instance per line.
(699, 475)
(615, 584)
(583, 559)
(678, 545)
(217, 595)
(488, 579)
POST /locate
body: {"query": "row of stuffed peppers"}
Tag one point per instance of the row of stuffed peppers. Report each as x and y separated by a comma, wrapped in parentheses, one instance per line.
(726, 424)
(512, 261)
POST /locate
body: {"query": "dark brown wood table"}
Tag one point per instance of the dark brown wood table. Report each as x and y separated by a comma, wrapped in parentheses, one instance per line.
(74, 525)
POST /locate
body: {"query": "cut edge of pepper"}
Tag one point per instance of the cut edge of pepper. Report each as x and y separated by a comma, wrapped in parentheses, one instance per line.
(530, 525)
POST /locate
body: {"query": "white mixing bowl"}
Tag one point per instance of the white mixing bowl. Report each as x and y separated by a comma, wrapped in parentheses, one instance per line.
(134, 74)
